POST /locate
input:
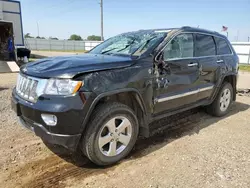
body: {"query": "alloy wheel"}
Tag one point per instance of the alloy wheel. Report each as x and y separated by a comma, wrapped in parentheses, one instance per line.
(115, 136)
(225, 99)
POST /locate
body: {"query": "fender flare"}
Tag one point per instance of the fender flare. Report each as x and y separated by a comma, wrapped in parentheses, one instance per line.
(220, 82)
(102, 95)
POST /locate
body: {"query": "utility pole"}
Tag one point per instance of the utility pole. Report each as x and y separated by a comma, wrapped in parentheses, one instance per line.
(101, 4)
(248, 39)
(38, 29)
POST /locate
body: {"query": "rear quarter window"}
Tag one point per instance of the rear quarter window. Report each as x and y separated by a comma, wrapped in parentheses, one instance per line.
(222, 46)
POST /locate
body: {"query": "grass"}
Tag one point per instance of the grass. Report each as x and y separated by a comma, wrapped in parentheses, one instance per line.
(245, 68)
(32, 59)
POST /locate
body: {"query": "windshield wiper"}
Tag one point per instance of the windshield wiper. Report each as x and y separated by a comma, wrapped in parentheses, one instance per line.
(104, 52)
(127, 46)
(119, 49)
(146, 43)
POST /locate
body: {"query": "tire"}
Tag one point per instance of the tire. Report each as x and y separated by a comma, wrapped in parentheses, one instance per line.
(216, 108)
(105, 123)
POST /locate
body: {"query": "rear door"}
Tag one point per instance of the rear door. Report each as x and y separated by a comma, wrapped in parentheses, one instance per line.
(205, 52)
(224, 52)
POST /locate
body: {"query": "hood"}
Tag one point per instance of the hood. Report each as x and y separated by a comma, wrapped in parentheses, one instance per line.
(69, 66)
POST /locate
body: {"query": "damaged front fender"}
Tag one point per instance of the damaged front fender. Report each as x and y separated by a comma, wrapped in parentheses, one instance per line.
(121, 85)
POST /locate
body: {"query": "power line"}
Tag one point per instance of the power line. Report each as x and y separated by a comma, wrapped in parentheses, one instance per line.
(55, 5)
(68, 10)
(64, 10)
(59, 5)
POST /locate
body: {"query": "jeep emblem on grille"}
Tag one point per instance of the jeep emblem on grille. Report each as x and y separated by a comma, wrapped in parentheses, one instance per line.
(24, 69)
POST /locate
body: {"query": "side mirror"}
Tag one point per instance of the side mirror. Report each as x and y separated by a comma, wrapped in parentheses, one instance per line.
(161, 57)
(162, 64)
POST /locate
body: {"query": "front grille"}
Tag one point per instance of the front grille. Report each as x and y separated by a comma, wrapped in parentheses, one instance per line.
(28, 87)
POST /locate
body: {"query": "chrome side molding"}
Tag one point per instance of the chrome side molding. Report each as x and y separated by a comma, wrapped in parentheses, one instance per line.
(163, 99)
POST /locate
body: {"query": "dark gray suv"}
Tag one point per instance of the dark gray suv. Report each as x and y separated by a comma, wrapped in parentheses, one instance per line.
(98, 103)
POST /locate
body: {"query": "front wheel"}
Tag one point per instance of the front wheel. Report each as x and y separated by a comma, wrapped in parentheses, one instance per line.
(222, 102)
(111, 134)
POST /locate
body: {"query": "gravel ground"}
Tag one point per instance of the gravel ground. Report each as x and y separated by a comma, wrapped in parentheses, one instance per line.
(200, 151)
(244, 80)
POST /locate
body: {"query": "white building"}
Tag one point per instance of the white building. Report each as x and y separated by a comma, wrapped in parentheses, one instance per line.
(10, 26)
(10, 12)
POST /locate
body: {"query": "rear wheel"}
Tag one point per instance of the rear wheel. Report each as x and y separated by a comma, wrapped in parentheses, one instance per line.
(222, 102)
(111, 134)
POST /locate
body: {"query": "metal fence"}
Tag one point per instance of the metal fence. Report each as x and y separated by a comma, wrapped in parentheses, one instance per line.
(241, 48)
(243, 51)
(59, 45)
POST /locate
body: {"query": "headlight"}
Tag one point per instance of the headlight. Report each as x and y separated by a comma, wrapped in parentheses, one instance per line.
(62, 87)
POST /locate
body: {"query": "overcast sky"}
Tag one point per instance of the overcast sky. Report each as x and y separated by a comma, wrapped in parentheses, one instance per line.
(61, 18)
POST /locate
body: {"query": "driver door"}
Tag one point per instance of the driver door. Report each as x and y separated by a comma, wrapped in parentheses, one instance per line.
(181, 77)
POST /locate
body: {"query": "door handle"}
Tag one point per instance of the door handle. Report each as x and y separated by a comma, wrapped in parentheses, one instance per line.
(192, 64)
(220, 61)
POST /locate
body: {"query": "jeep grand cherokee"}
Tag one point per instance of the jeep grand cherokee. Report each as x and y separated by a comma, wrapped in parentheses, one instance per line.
(99, 102)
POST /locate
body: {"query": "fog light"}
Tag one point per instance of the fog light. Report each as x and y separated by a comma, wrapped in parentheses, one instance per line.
(49, 119)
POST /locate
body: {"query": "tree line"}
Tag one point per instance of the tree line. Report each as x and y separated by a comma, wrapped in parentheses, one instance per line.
(72, 37)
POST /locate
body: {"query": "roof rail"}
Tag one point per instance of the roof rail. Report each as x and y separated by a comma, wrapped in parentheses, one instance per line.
(185, 27)
(216, 32)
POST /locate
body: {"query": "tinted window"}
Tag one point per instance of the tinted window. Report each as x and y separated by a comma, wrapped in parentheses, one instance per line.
(181, 46)
(222, 47)
(205, 45)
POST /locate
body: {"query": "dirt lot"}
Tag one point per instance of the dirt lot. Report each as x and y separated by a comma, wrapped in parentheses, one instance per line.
(200, 151)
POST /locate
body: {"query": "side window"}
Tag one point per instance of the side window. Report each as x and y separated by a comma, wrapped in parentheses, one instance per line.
(222, 47)
(205, 45)
(182, 46)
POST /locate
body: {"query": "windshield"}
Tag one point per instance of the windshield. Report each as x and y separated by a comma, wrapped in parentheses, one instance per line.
(133, 43)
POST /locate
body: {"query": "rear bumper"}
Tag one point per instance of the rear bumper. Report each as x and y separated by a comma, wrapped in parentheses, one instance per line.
(68, 141)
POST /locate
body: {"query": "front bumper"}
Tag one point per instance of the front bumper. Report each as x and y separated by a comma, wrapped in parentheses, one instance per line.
(68, 141)
(69, 112)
